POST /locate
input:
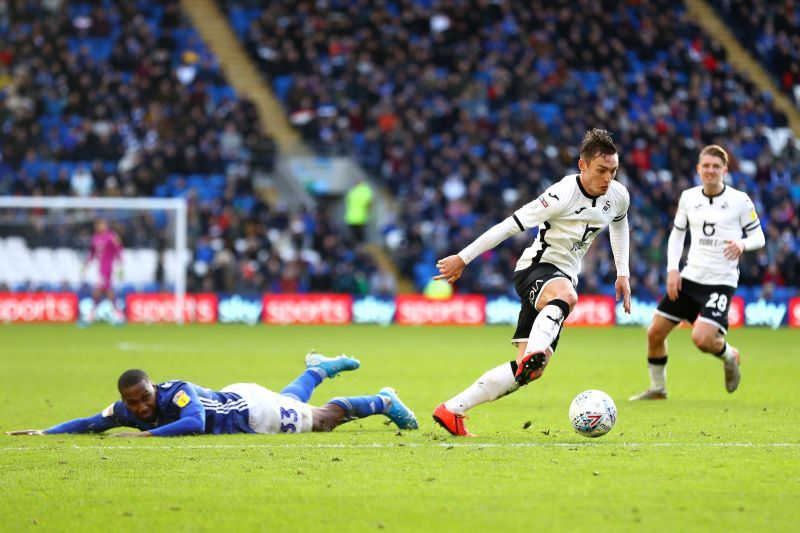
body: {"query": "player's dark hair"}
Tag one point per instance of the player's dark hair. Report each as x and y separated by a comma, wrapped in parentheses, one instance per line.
(714, 150)
(131, 377)
(597, 143)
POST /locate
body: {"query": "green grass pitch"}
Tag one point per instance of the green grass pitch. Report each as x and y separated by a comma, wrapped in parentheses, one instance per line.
(702, 461)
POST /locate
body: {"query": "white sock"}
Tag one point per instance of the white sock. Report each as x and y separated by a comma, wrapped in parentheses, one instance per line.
(545, 329)
(658, 377)
(727, 355)
(492, 385)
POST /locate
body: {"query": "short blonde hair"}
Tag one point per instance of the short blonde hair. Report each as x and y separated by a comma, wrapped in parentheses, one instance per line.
(715, 150)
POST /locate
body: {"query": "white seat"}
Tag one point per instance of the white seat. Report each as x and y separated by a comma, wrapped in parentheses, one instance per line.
(10, 275)
(170, 264)
(139, 265)
(16, 244)
(70, 264)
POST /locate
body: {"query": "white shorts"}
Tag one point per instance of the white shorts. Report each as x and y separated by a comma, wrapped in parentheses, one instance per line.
(272, 413)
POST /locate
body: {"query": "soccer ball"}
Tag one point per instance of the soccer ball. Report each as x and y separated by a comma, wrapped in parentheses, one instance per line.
(593, 413)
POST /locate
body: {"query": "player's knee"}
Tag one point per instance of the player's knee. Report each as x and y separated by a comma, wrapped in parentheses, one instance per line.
(325, 419)
(655, 335)
(570, 298)
(704, 343)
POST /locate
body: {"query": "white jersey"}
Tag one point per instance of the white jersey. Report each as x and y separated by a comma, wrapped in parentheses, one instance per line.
(712, 221)
(569, 219)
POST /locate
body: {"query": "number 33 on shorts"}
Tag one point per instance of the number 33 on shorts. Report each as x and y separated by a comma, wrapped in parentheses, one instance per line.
(288, 420)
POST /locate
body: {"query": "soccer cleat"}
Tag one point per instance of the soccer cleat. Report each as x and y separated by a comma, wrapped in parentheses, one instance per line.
(649, 394)
(732, 375)
(450, 421)
(331, 365)
(398, 412)
(530, 367)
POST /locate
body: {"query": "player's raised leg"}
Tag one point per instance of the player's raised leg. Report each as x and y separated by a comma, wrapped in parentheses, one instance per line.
(318, 367)
(331, 365)
(554, 304)
(657, 334)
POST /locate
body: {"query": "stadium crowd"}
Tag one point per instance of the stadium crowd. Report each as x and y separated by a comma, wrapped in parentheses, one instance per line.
(771, 31)
(110, 98)
(465, 110)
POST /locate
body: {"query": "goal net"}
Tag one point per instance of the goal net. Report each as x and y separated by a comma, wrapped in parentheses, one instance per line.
(45, 247)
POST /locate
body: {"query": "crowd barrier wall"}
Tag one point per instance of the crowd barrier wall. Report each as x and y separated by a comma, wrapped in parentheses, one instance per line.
(404, 309)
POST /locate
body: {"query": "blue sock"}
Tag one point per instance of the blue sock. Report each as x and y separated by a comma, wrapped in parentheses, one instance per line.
(360, 406)
(302, 387)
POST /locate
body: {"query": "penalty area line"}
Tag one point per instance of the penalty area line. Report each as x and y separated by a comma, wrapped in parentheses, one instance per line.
(414, 445)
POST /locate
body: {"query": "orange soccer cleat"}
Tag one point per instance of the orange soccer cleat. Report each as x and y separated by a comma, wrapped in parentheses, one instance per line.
(450, 421)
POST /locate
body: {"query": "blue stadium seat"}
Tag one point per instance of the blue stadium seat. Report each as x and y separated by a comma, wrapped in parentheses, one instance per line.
(547, 113)
(282, 85)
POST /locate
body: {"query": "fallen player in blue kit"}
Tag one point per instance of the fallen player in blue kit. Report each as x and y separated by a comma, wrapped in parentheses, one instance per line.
(176, 408)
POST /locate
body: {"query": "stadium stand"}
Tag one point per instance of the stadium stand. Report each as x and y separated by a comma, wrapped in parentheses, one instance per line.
(108, 98)
(771, 32)
(465, 110)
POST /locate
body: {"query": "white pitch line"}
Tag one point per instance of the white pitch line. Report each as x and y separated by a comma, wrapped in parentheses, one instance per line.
(422, 445)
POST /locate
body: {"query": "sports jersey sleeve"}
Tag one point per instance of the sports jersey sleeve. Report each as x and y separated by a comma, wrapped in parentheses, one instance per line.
(681, 218)
(192, 418)
(98, 423)
(751, 226)
(551, 203)
(675, 248)
(489, 239)
(619, 234)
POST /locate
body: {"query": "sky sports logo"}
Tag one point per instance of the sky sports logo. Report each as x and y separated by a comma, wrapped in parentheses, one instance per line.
(38, 307)
(208, 308)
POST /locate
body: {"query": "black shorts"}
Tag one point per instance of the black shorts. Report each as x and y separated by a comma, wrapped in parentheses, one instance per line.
(711, 302)
(529, 284)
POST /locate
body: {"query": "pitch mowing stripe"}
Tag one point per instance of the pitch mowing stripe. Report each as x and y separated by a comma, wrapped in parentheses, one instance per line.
(420, 445)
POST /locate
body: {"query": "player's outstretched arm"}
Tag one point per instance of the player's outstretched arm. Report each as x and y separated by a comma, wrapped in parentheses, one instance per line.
(128, 434)
(450, 268)
(192, 420)
(92, 424)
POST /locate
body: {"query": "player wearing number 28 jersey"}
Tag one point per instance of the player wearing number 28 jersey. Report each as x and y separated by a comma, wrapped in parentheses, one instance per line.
(181, 408)
(723, 224)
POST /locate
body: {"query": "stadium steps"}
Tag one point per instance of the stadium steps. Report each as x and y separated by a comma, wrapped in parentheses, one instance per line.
(244, 76)
(705, 16)
(212, 25)
(378, 253)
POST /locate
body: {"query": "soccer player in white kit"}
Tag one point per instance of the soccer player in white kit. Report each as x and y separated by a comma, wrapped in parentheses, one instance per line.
(569, 216)
(723, 224)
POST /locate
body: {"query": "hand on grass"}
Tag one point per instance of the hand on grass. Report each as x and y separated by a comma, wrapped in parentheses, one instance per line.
(26, 432)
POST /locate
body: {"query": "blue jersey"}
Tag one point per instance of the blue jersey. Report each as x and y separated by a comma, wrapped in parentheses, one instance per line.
(183, 409)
